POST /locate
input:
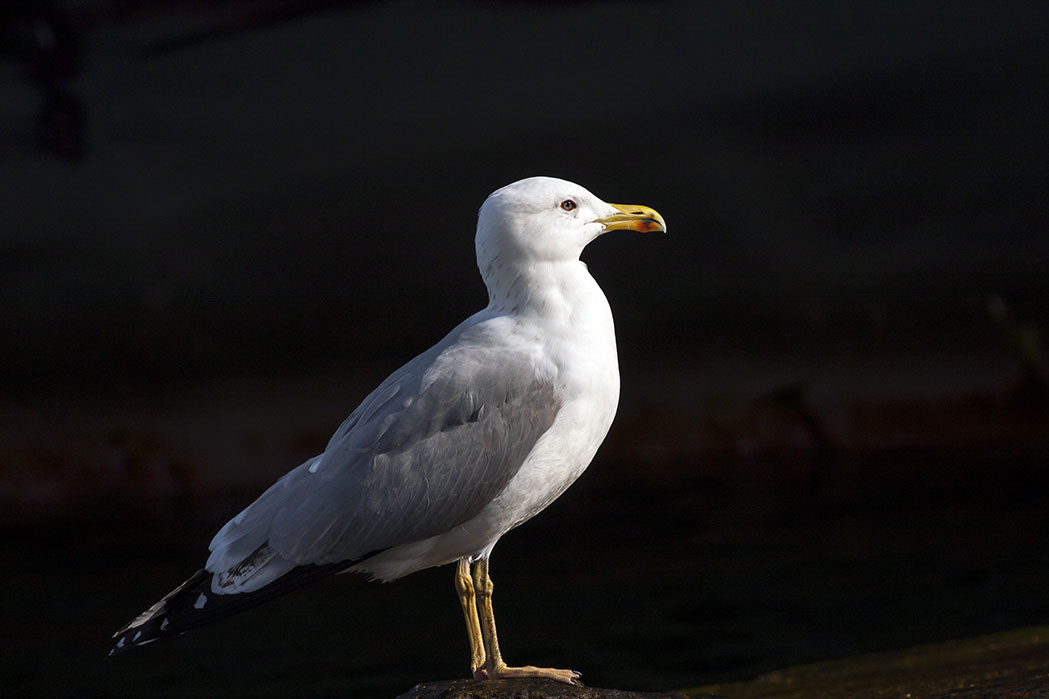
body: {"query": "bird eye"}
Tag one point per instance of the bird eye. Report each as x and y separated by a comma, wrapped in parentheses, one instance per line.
(568, 205)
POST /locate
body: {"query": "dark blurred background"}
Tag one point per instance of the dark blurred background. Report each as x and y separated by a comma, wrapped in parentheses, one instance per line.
(222, 223)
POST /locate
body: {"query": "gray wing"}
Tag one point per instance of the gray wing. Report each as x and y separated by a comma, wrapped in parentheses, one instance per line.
(423, 453)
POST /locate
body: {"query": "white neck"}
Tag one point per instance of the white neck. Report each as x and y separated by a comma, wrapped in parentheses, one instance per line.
(562, 292)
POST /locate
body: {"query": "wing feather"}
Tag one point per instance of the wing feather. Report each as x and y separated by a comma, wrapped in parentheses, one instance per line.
(423, 453)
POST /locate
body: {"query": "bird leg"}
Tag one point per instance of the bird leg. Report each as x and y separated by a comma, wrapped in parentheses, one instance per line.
(464, 585)
(494, 667)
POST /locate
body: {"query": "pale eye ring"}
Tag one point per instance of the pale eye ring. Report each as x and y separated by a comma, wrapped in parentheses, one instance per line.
(568, 205)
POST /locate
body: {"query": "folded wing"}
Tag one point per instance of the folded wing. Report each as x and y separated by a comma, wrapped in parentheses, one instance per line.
(424, 452)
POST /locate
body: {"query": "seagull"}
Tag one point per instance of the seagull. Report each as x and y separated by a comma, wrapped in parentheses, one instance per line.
(468, 440)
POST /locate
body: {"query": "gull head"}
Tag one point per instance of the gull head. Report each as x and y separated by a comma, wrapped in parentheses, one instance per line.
(545, 219)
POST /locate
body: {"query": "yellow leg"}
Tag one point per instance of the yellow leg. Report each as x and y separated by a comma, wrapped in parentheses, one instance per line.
(465, 587)
(494, 666)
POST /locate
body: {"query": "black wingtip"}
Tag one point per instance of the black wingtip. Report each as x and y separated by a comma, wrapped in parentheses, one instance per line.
(157, 621)
(193, 604)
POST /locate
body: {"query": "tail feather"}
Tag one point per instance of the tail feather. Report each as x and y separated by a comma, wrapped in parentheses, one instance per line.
(193, 604)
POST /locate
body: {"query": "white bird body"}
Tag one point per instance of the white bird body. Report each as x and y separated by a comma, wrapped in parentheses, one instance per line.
(468, 440)
(580, 359)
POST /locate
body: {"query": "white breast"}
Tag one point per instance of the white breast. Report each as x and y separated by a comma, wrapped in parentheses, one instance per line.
(579, 340)
(578, 346)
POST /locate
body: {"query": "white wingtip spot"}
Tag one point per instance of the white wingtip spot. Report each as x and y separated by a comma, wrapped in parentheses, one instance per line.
(137, 636)
(120, 643)
(201, 601)
(164, 624)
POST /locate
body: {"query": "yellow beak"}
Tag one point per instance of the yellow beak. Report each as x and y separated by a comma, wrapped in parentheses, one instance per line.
(634, 217)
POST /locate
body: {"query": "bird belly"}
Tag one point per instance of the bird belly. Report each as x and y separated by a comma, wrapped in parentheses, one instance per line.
(558, 459)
